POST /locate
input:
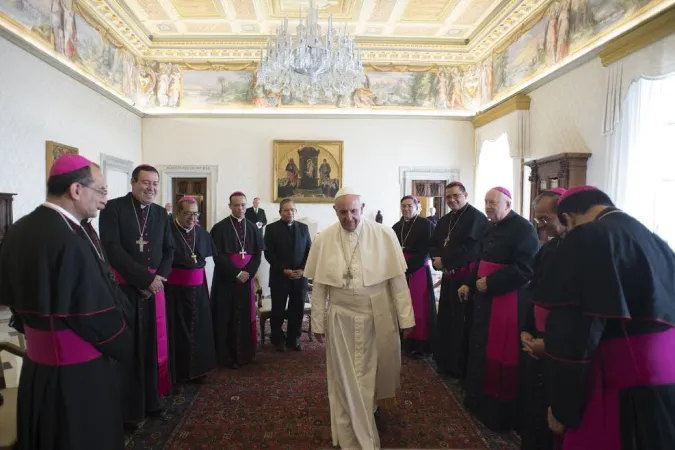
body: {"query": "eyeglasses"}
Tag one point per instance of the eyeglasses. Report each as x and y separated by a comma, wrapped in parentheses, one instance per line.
(190, 214)
(542, 220)
(102, 191)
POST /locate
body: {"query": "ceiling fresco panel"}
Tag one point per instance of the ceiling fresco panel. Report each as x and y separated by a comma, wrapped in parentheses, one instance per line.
(425, 10)
(197, 8)
(244, 9)
(382, 10)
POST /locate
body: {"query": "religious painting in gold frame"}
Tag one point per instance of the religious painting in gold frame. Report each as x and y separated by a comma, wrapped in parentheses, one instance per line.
(55, 151)
(307, 171)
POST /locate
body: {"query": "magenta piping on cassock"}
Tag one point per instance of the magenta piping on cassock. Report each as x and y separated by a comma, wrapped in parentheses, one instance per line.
(240, 262)
(540, 316)
(187, 277)
(58, 347)
(620, 363)
(419, 291)
(462, 273)
(503, 347)
(164, 384)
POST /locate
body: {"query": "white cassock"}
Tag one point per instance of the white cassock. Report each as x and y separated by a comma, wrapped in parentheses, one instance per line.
(361, 318)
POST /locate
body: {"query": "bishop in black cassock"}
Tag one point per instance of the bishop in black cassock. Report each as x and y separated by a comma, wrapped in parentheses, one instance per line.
(414, 233)
(455, 248)
(535, 433)
(136, 235)
(498, 283)
(239, 246)
(192, 353)
(55, 280)
(610, 333)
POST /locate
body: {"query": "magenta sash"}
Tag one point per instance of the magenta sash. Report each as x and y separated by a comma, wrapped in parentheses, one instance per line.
(540, 316)
(240, 263)
(187, 277)
(58, 347)
(461, 273)
(503, 346)
(620, 363)
(419, 291)
(164, 385)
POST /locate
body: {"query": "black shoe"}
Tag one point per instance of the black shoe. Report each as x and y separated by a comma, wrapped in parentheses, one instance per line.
(280, 347)
(156, 413)
(132, 426)
(377, 414)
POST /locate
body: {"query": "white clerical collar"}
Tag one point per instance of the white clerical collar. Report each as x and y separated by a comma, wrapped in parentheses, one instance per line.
(187, 230)
(235, 218)
(62, 211)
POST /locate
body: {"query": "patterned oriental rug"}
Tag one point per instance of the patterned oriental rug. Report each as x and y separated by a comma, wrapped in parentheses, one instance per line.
(280, 402)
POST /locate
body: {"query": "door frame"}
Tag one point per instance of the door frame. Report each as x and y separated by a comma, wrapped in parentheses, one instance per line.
(168, 172)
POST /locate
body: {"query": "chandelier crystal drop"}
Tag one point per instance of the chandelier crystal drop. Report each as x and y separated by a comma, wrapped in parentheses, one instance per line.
(311, 65)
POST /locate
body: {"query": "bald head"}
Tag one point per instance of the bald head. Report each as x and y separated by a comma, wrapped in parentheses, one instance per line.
(497, 205)
(349, 210)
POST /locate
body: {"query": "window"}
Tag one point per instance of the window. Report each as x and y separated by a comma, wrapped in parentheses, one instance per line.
(495, 168)
(646, 151)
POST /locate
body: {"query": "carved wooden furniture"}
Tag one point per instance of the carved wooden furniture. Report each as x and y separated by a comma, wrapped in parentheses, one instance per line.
(6, 215)
(564, 170)
(265, 311)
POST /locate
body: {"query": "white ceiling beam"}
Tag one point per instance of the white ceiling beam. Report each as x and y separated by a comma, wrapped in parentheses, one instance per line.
(456, 12)
(396, 14)
(366, 12)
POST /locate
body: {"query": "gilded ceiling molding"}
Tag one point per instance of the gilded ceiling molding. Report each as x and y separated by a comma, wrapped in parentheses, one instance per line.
(400, 68)
(516, 103)
(219, 66)
(643, 35)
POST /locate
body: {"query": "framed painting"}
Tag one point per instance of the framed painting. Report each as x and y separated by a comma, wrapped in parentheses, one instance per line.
(307, 171)
(55, 151)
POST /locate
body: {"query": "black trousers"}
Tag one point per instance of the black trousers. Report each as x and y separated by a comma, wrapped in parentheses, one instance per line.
(295, 292)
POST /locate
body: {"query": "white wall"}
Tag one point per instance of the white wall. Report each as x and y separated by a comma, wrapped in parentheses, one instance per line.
(39, 103)
(566, 115)
(374, 149)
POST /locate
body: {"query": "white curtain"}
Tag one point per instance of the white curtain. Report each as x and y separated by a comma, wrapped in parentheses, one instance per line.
(642, 153)
(494, 168)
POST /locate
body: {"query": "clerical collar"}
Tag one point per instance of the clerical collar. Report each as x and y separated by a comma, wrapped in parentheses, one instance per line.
(408, 220)
(235, 218)
(143, 206)
(62, 211)
(289, 224)
(187, 230)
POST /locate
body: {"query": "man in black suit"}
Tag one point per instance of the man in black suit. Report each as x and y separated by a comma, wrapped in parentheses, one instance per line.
(287, 245)
(256, 215)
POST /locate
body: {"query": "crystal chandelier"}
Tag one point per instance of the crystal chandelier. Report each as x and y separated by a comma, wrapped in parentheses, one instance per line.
(312, 65)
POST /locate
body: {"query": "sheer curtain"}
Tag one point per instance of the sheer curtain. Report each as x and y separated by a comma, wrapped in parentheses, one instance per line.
(643, 154)
(494, 168)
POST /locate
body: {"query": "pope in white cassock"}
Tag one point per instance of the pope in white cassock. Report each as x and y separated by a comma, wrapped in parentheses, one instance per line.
(360, 300)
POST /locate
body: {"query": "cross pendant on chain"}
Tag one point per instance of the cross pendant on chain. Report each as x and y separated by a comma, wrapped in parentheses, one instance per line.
(348, 277)
(194, 258)
(242, 253)
(141, 243)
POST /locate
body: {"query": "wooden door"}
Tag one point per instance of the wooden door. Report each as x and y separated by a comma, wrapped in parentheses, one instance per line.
(195, 187)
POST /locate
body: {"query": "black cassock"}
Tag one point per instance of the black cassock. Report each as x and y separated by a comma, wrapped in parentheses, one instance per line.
(535, 433)
(63, 299)
(121, 223)
(456, 240)
(491, 384)
(414, 237)
(233, 304)
(192, 353)
(610, 336)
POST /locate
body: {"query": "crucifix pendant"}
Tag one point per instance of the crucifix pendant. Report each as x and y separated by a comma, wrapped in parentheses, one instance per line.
(194, 258)
(447, 239)
(141, 243)
(242, 253)
(348, 277)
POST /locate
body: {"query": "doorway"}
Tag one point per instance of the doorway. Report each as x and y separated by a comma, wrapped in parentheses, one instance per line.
(430, 194)
(194, 187)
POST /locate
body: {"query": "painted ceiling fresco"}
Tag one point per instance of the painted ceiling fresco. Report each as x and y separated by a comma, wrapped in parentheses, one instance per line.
(447, 57)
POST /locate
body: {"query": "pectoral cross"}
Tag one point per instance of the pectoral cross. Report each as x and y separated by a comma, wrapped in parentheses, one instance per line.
(141, 243)
(348, 277)
(242, 253)
(194, 258)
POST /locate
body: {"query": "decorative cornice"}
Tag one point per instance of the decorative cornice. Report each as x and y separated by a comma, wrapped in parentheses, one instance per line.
(643, 35)
(515, 103)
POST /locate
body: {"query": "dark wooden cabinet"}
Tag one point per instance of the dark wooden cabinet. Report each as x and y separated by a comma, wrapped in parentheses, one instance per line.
(6, 215)
(564, 170)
